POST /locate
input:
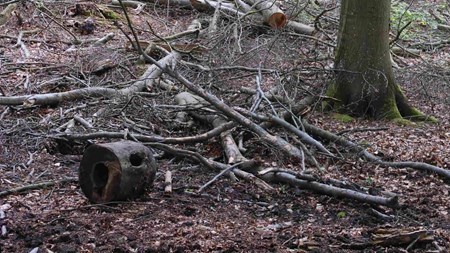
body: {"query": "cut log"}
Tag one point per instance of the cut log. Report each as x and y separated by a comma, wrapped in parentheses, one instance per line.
(300, 28)
(272, 15)
(116, 171)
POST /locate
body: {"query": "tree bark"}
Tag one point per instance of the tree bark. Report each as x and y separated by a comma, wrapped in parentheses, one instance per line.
(364, 82)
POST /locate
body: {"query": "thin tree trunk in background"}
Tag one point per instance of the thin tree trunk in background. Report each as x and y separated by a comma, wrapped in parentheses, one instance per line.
(364, 81)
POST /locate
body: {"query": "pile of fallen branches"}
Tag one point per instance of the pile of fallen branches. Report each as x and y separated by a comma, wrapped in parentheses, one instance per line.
(304, 144)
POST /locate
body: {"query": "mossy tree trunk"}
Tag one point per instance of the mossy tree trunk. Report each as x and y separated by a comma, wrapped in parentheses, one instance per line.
(364, 83)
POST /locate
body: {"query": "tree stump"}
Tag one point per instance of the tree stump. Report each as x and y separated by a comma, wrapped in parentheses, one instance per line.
(116, 171)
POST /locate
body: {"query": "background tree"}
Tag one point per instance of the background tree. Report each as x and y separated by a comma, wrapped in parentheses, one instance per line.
(364, 81)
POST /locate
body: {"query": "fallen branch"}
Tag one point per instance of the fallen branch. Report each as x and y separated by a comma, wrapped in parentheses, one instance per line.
(372, 158)
(290, 179)
(37, 186)
(215, 178)
(54, 98)
(300, 28)
(145, 138)
(304, 136)
(272, 14)
(6, 13)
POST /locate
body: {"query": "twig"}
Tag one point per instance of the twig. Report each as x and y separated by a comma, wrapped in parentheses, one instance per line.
(83, 122)
(37, 186)
(219, 175)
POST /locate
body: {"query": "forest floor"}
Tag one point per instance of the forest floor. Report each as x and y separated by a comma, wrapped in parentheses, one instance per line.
(230, 216)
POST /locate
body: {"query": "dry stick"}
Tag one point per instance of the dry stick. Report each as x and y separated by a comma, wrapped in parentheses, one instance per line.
(231, 150)
(212, 29)
(283, 145)
(168, 183)
(364, 153)
(37, 186)
(230, 168)
(226, 68)
(145, 138)
(83, 122)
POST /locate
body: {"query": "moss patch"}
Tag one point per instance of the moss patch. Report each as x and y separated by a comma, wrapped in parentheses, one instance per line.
(344, 118)
(403, 122)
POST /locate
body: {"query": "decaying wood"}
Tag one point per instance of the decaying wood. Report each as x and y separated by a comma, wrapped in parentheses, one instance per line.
(209, 5)
(271, 13)
(116, 171)
(300, 28)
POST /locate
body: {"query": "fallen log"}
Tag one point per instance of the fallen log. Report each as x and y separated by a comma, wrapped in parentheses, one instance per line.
(116, 171)
(300, 28)
(272, 14)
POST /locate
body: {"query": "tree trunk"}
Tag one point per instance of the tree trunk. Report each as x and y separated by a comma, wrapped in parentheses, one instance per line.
(364, 83)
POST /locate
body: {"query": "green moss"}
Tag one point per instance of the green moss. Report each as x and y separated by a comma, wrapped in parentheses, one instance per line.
(344, 118)
(108, 13)
(409, 112)
(390, 110)
(415, 115)
(329, 102)
(402, 122)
